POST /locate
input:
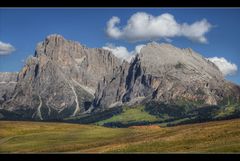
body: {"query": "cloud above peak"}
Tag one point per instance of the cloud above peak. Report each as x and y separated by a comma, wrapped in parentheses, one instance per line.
(6, 48)
(122, 52)
(143, 26)
(226, 67)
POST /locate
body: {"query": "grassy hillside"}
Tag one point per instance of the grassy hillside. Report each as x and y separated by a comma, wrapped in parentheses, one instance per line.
(21, 137)
(155, 113)
(130, 115)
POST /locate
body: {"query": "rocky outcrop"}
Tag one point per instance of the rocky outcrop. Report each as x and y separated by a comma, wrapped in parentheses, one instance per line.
(164, 73)
(110, 89)
(60, 79)
(8, 81)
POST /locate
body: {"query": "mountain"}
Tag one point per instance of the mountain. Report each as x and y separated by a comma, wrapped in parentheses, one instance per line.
(59, 80)
(164, 73)
(8, 82)
(65, 80)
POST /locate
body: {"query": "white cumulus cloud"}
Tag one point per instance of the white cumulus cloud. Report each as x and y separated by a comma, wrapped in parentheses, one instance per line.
(144, 26)
(6, 48)
(138, 48)
(226, 67)
(122, 52)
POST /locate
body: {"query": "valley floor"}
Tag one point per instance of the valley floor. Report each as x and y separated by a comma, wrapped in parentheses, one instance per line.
(42, 137)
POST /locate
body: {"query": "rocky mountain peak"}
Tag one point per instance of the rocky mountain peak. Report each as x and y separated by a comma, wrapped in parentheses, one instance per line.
(166, 73)
(54, 37)
(60, 78)
(156, 57)
(50, 44)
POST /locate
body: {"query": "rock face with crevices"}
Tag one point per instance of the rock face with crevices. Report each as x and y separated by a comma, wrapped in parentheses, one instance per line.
(8, 81)
(164, 73)
(59, 81)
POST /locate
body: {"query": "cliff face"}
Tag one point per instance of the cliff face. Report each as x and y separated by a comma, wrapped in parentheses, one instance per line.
(164, 73)
(60, 79)
(8, 82)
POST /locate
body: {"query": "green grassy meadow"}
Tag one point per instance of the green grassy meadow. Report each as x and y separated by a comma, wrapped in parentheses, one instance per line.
(130, 115)
(43, 137)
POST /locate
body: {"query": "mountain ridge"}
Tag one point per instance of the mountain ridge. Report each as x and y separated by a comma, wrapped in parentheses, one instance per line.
(65, 79)
(162, 70)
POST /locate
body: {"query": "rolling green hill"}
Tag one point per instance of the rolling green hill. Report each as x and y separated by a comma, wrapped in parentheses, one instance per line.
(24, 137)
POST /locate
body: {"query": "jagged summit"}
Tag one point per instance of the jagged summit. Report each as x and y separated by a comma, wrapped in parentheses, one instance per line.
(53, 41)
(53, 36)
(60, 79)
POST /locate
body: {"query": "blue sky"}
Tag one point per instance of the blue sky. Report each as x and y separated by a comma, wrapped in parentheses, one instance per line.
(24, 28)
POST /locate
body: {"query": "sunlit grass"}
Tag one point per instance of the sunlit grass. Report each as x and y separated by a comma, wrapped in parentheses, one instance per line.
(22, 137)
(135, 114)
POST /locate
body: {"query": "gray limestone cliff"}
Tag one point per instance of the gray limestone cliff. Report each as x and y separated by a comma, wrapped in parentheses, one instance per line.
(8, 81)
(164, 73)
(59, 80)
